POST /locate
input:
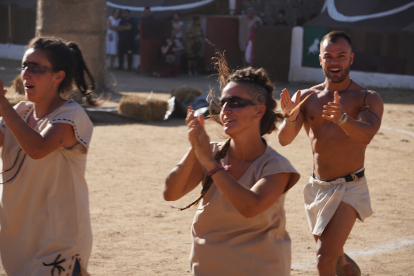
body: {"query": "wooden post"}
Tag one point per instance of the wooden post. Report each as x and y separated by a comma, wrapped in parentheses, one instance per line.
(10, 40)
(82, 21)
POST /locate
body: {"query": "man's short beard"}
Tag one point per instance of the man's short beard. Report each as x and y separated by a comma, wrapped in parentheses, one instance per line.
(344, 75)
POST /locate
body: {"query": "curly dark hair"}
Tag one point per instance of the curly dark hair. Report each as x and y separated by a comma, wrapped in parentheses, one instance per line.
(67, 56)
(260, 88)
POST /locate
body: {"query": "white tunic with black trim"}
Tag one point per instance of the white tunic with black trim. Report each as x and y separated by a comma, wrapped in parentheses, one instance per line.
(44, 211)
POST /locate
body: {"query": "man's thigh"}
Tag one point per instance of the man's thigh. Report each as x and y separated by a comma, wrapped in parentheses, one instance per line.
(337, 231)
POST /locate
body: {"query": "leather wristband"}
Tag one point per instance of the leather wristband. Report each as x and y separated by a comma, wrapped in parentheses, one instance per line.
(291, 122)
(343, 119)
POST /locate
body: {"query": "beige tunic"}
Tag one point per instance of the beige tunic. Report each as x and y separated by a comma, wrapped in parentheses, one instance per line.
(44, 209)
(323, 198)
(226, 243)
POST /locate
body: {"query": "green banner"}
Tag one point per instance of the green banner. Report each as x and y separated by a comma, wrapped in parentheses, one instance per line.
(312, 38)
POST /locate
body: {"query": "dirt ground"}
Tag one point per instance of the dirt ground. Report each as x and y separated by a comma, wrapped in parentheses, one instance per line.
(137, 233)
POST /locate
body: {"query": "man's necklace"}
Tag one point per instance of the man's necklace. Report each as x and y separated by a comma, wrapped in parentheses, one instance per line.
(325, 89)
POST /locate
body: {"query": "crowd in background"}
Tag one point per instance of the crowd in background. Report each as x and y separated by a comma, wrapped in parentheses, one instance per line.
(183, 46)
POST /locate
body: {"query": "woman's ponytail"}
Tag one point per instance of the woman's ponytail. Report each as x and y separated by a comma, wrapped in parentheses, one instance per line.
(79, 75)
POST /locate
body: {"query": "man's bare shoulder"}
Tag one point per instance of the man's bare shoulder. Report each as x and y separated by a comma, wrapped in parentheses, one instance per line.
(314, 89)
(374, 94)
(373, 102)
(369, 95)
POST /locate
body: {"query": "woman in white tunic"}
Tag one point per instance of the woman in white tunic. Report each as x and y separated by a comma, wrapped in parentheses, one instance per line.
(112, 36)
(239, 227)
(44, 210)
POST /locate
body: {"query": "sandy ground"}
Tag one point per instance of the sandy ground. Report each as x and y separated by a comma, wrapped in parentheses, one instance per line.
(137, 233)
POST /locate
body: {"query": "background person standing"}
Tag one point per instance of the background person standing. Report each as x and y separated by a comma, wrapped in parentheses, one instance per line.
(126, 40)
(193, 44)
(112, 36)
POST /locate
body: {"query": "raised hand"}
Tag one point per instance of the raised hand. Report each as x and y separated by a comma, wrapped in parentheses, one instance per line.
(2, 88)
(333, 110)
(197, 135)
(288, 105)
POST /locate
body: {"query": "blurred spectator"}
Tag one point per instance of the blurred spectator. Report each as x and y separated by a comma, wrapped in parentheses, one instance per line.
(147, 13)
(177, 26)
(281, 21)
(168, 65)
(246, 23)
(249, 48)
(126, 39)
(112, 36)
(193, 44)
(262, 16)
(177, 30)
(147, 17)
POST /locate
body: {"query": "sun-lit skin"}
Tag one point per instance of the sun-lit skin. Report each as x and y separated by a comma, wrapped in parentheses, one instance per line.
(338, 149)
(237, 120)
(40, 88)
(336, 60)
(242, 124)
(41, 85)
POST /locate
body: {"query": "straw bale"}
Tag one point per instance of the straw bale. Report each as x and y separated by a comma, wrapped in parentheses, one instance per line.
(186, 94)
(18, 85)
(143, 108)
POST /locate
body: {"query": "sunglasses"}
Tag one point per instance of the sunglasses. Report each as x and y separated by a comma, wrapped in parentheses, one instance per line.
(35, 68)
(235, 102)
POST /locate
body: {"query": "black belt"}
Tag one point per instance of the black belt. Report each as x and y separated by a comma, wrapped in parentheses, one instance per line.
(348, 178)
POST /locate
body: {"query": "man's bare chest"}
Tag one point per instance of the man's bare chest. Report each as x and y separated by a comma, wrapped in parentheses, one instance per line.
(351, 103)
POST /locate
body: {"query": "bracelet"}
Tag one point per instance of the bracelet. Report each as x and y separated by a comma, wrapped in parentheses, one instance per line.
(343, 119)
(291, 122)
(216, 169)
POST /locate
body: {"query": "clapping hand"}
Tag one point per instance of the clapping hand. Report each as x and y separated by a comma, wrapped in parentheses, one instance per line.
(288, 105)
(197, 135)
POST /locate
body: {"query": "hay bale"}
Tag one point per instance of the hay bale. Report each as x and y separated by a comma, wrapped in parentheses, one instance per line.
(185, 94)
(143, 108)
(18, 85)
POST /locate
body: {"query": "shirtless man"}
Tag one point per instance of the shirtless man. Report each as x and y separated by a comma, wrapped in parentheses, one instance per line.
(340, 118)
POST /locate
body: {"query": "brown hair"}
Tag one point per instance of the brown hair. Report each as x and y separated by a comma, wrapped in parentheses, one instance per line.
(67, 56)
(335, 35)
(260, 87)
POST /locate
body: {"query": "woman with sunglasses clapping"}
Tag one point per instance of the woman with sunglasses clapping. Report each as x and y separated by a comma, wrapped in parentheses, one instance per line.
(239, 226)
(44, 210)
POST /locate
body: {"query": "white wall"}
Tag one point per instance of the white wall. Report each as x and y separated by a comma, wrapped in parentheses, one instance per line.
(12, 51)
(298, 73)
